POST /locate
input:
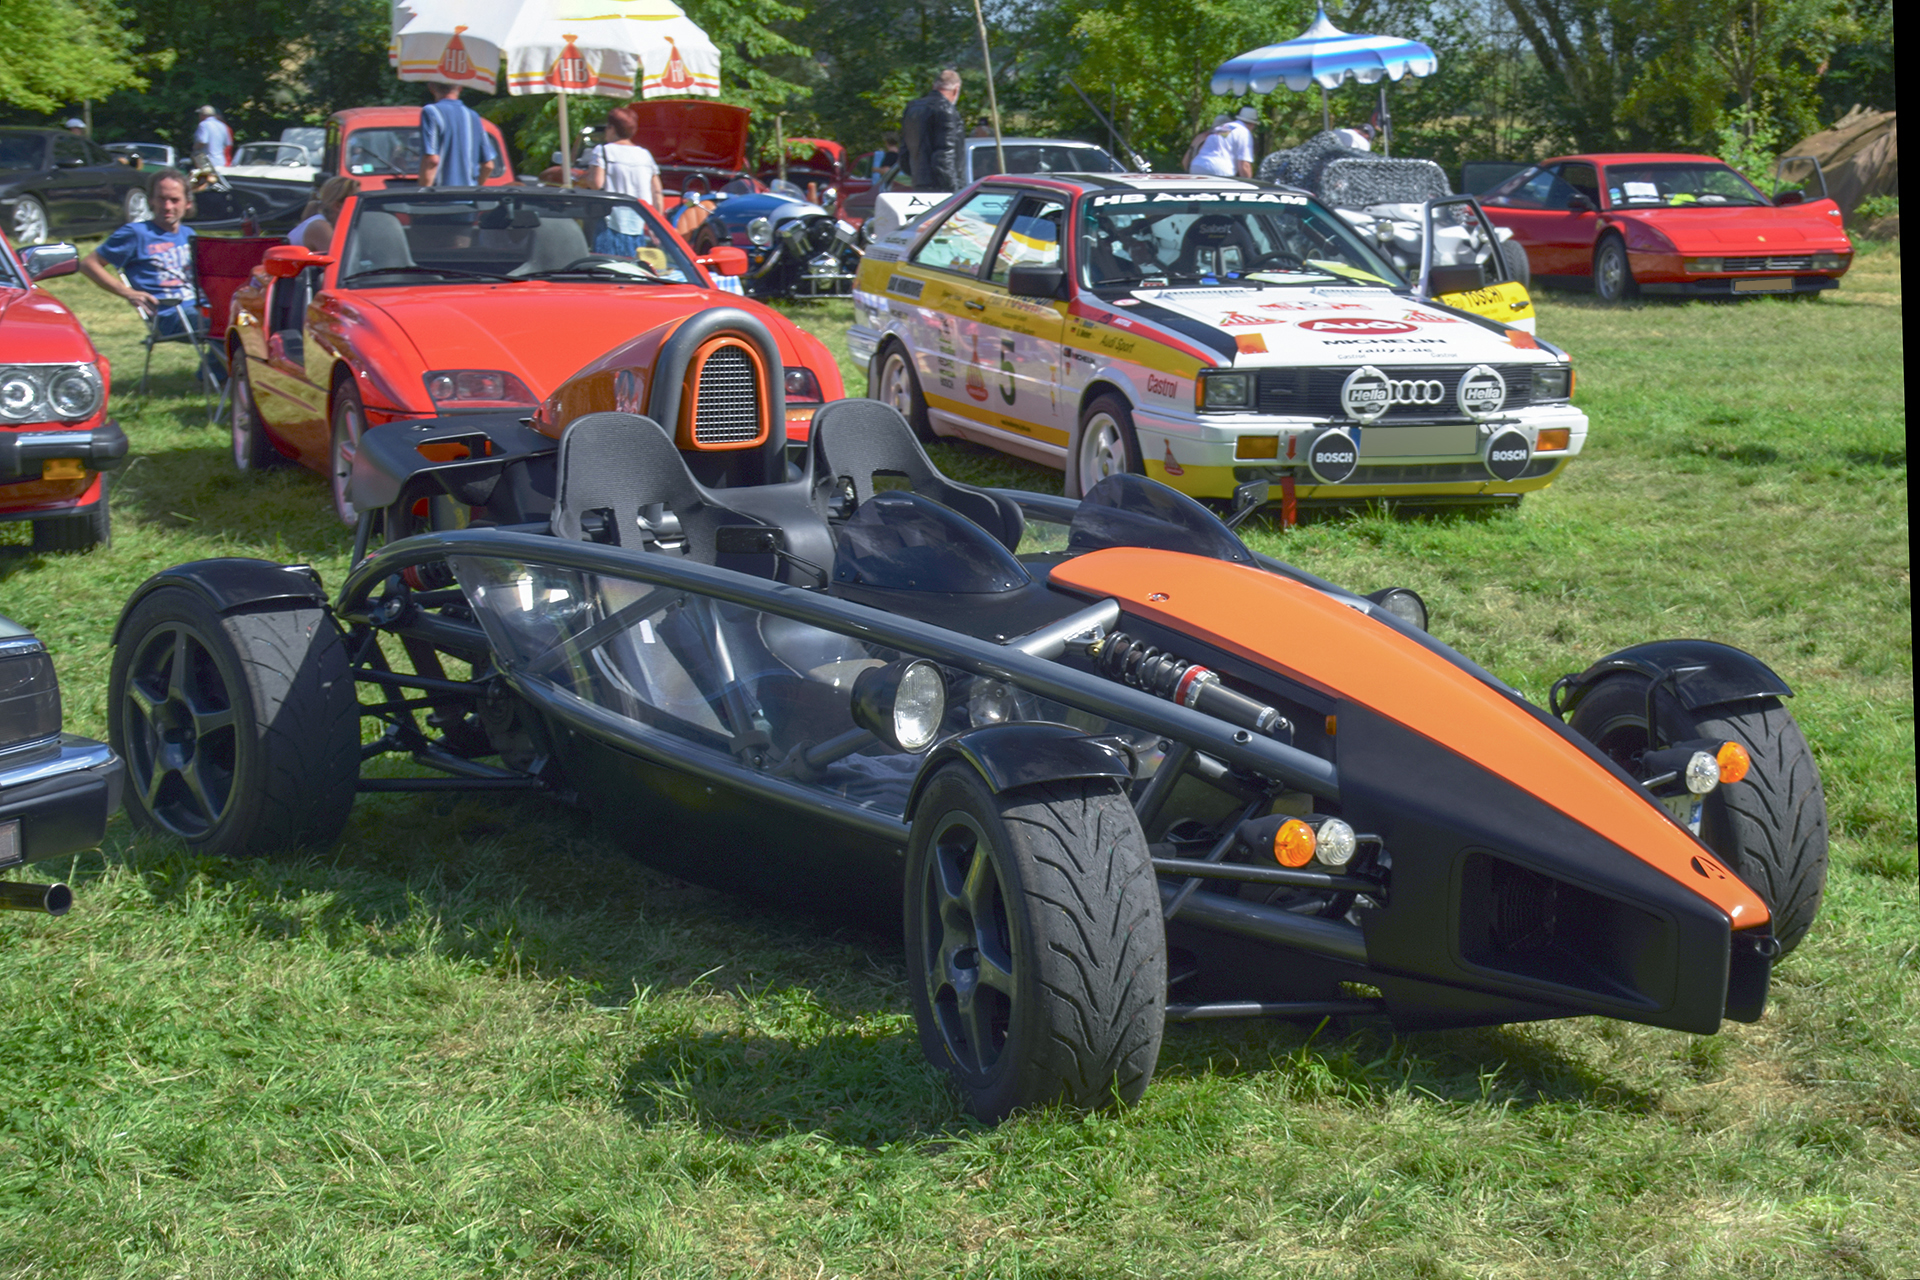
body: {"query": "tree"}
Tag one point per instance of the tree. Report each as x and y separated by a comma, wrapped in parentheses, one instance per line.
(1590, 52)
(53, 52)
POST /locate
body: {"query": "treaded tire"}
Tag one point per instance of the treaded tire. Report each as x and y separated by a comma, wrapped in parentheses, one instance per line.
(1112, 418)
(894, 381)
(1036, 953)
(1771, 828)
(252, 450)
(241, 733)
(1613, 280)
(1519, 266)
(88, 531)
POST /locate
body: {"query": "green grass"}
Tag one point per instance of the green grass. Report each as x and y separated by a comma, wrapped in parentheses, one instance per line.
(474, 1039)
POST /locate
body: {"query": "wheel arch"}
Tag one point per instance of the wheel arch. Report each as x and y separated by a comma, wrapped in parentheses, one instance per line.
(1010, 756)
(1102, 383)
(1704, 673)
(233, 585)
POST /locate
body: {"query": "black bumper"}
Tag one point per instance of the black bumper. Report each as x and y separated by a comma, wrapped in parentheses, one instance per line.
(1722, 287)
(101, 449)
(61, 797)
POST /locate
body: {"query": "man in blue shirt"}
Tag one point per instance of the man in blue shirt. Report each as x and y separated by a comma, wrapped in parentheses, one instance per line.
(155, 261)
(455, 150)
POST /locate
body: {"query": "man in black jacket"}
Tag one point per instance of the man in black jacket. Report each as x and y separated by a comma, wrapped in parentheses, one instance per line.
(930, 134)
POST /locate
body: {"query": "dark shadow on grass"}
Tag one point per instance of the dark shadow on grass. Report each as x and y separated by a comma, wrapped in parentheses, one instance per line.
(195, 486)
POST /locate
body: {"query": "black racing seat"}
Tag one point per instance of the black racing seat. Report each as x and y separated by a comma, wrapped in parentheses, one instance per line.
(1215, 244)
(855, 440)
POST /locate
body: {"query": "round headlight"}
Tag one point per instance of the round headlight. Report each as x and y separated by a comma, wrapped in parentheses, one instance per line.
(1403, 604)
(1335, 843)
(920, 705)
(74, 393)
(760, 231)
(1703, 773)
(18, 394)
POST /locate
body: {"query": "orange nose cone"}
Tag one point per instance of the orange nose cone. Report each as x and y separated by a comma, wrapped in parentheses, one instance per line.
(1734, 762)
(1293, 843)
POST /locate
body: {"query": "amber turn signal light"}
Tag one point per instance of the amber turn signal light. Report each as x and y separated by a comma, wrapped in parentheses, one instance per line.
(1734, 762)
(1257, 447)
(1552, 438)
(1293, 843)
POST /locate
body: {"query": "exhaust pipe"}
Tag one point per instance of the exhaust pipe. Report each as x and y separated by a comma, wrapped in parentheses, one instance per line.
(54, 899)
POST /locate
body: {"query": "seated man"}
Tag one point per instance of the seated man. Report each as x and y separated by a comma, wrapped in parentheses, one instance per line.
(155, 261)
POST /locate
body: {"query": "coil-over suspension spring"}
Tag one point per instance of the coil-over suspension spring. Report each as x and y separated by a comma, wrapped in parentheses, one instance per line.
(1121, 657)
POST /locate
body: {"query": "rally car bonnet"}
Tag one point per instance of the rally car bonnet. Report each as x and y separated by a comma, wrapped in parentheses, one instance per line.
(1313, 639)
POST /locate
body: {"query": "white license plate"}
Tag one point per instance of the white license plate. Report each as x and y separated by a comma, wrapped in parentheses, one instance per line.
(1442, 440)
(1763, 286)
(10, 842)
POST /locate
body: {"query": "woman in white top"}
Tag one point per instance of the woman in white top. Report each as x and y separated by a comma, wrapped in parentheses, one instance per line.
(621, 165)
(315, 232)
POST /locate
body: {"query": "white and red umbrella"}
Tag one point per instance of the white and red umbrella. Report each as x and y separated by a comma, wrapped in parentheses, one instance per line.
(615, 48)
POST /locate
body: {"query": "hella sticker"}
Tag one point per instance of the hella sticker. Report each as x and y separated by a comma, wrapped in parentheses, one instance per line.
(1357, 326)
(1508, 454)
(1483, 392)
(1333, 456)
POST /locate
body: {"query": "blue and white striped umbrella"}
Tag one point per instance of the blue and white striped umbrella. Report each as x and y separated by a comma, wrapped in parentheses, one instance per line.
(1326, 55)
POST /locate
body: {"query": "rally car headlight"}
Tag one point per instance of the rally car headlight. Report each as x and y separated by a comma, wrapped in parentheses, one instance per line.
(35, 392)
(760, 231)
(1552, 382)
(902, 703)
(1226, 391)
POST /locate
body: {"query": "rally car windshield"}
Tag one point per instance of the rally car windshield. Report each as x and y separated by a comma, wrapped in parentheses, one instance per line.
(1157, 238)
(1678, 185)
(422, 237)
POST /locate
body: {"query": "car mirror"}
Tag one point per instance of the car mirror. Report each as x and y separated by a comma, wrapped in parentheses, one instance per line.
(1790, 197)
(1579, 204)
(1027, 281)
(726, 260)
(71, 162)
(287, 260)
(1445, 280)
(45, 261)
(1247, 499)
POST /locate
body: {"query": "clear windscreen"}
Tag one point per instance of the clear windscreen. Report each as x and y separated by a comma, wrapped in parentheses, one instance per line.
(1677, 185)
(1158, 238)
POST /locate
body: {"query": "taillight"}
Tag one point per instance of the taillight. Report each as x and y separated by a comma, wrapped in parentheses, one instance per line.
(802, 387)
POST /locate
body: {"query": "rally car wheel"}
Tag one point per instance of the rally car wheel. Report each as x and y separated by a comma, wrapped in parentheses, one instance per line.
(349, 421)
(134, 206)
(1104, 445)
(896, 384)
(252, 451)
(1035, 946)
(241, 733)
(1771, 828)
(1612, 274)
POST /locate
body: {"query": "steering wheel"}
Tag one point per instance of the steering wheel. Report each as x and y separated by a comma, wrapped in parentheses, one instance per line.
(607, 259)
(1278, 257)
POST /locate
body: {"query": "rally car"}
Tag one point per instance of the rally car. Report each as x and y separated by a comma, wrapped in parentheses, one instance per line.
(1106, 766)
(1209, 332)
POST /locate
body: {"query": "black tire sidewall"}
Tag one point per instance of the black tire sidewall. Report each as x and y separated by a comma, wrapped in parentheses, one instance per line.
(1613, 244)
(916, 413)
(256, 454)
(347, 397)
(1122, 413)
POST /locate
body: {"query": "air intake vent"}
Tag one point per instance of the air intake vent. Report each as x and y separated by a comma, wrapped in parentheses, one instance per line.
(727, 407)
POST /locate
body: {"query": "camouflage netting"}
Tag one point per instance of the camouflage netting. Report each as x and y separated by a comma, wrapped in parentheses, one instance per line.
(1349, 179)
(1860, 154)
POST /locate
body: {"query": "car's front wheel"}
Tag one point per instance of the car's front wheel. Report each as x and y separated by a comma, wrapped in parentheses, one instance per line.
(895, 383)
(29, 221)
(1612, 274)
(241, 732)
(1104, 445)
(1036, 955)
(349, 423)
(1771, 828)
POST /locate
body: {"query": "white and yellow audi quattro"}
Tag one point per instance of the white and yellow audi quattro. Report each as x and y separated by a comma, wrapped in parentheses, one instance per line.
(1206, 332)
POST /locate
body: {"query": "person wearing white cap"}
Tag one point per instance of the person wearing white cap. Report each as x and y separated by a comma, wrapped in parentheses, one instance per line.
(1243, 125)
(1224, 151)
(212, 138)
(75, 125)
(1357, 138)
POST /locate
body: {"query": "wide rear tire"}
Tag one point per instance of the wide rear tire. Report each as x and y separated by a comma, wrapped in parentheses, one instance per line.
(241, 732)
(1771, 828)
(1036, 954)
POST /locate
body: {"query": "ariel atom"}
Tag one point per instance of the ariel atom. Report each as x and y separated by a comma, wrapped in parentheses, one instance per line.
(1108, 767)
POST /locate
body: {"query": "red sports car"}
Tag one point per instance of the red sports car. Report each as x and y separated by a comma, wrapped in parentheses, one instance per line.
(1679, 224)
(381, 147)
(55, 436)
(447, 301)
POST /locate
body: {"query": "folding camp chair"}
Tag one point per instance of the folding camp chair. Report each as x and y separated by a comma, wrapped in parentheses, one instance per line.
(179, 322)
(221, 265)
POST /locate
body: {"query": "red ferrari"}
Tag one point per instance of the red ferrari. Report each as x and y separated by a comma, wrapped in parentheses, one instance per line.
(447, 301)
(1677, 224)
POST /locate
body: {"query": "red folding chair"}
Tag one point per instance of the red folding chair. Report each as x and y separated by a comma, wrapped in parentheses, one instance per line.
(222, 264)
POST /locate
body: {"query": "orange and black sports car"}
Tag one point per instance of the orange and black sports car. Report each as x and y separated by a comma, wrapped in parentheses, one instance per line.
(1106, 766)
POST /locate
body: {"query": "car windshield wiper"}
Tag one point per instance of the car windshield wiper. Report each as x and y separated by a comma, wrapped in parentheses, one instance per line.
(600, 268)
(427, 271)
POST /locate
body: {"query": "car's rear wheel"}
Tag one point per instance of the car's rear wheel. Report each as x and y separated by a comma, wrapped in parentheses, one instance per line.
(1771, 828)
(894, 382)
(80, 533)
(1519, 266)
(29, 221)
(1612, 274)
(134, 206)
(1036, 954)
(349, 422)
(1104, 445)
(252, 451)
(241, 733)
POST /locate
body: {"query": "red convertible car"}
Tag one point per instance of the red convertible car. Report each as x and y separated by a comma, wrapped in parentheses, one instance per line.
(56, 439)
(1678, 224)
(447, 301)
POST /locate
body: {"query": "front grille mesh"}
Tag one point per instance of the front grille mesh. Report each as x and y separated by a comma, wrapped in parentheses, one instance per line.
(727, 410)
(1803, 262)
(1315, 393)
